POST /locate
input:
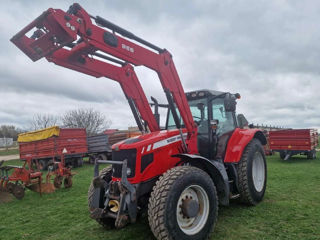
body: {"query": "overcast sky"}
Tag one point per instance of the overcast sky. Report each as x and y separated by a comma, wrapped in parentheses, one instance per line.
(268, 51)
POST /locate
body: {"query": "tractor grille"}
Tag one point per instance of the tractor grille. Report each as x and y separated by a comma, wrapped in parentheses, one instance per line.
(130, 155)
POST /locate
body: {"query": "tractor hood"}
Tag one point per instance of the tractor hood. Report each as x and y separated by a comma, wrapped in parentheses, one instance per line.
(148, 139)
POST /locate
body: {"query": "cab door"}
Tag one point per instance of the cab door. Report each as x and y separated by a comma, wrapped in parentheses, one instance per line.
(223, 130)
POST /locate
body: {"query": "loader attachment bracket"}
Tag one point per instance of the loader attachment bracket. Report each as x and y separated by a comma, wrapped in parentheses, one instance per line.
(50, 32)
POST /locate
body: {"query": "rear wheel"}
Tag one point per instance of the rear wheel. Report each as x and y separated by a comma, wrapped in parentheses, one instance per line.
(80, 162)
(106, 175)
(43, 165)
(283, 155)
(102, 156)
(252, 172)
(183, 205)
(312, 154)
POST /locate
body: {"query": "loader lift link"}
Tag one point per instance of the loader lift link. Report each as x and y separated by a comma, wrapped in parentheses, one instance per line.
(66, 26)
(202, 157)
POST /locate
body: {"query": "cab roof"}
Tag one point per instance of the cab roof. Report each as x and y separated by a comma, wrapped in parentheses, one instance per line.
(203, 93)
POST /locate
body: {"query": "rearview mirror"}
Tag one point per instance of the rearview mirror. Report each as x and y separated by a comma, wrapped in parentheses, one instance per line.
(230, 103)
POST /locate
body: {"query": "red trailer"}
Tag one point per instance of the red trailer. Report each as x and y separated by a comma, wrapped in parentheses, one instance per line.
(267, 149)
(48, 144)
(294, 141)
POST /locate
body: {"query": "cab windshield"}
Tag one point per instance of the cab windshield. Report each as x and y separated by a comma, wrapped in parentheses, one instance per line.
(199, 111)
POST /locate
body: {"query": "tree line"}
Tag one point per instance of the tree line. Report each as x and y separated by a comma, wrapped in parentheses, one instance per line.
(92, 120)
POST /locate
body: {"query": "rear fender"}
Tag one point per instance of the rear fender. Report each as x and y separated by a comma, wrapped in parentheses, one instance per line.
(238, 142)
(216, 171)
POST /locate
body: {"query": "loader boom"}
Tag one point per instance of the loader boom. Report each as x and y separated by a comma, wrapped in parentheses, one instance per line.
(71, 40)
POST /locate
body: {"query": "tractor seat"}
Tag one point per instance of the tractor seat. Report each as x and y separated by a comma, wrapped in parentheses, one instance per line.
(35, 174)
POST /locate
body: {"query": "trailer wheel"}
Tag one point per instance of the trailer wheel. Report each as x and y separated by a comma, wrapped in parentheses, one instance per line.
(102, 156)
(91, 159)
(80, 162)
(312, 154)
(183, 204)
(43, 165)
(283, 154)
(105, 174)
(57, 182)
(18, 191)
(67, 182)
(252, 173)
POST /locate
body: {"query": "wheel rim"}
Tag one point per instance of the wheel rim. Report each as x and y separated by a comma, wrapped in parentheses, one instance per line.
(258, 171)
(193, 225)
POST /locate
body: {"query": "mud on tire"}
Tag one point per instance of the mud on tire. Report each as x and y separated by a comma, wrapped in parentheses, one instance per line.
(164, 219)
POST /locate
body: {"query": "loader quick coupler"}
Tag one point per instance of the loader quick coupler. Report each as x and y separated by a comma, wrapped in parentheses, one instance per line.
(120, 203)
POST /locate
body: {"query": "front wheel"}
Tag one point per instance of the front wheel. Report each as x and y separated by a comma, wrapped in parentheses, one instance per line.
(252, 173)
(183, 205)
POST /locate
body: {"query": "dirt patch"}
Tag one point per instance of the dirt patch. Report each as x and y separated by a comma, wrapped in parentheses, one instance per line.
(5, 197)
(9, 157)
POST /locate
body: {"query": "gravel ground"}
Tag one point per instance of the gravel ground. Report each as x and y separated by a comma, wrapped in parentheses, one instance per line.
(9, 157)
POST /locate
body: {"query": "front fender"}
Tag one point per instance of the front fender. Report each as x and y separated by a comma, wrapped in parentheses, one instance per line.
(238, 142)
(216, 171)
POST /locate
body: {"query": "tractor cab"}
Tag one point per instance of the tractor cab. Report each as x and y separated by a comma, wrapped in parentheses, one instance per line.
(214, 114)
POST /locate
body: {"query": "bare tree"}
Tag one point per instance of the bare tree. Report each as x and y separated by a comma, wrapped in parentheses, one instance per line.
(92, 120)
(8, 134)
(43, 121)
(10, 131)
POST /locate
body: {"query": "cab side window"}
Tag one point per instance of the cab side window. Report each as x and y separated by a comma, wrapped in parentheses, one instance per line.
(226, 122)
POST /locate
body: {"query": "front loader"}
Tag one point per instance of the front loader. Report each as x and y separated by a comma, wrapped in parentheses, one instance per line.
(181, 172)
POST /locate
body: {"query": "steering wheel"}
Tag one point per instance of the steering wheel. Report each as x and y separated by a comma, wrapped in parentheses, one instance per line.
(197, 122)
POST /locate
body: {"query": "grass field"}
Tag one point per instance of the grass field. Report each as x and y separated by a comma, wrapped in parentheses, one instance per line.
(290, 210)
(4, 152)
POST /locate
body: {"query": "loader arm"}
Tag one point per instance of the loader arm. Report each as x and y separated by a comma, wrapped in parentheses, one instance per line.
(70, 39)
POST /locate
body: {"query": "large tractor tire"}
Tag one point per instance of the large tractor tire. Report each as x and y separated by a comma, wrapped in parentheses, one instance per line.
(106, 175)
(252, 173)
(183, 205)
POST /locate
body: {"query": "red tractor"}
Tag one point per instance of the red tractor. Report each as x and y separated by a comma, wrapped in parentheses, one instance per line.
(181, 172)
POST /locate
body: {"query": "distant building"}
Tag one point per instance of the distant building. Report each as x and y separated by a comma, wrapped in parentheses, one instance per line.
(6, 142)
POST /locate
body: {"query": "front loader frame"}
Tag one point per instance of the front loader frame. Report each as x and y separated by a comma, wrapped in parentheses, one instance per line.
(71, 40)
